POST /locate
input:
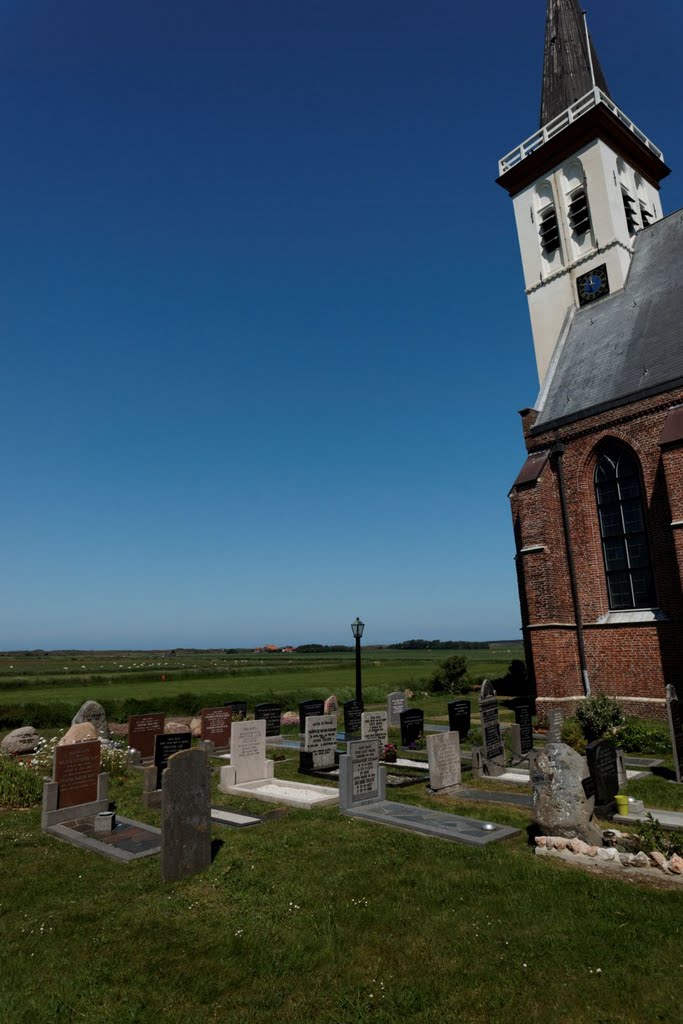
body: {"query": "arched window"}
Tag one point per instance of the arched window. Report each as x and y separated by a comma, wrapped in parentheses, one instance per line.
(622, 528)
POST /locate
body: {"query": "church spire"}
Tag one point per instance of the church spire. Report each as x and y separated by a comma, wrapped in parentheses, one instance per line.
(567, 72)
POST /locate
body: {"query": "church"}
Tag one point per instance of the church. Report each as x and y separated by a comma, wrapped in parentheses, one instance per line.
(597, 506)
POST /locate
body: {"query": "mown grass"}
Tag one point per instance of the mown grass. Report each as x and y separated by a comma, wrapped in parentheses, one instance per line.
(315, 917)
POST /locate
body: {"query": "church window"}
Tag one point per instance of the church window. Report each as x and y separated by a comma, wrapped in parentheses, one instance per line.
(630, 211)
(549, 231)
(622, 529)
(645, 215)
(579, 215)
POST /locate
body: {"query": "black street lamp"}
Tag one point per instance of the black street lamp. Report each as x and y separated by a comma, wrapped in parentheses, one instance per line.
(357, 628)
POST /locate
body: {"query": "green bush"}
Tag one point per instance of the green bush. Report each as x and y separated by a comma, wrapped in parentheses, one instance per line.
(653, 837)
(20, 786)
(636, 735)
(572, 734)
(599, 716)
(515, 683)
(450, 676)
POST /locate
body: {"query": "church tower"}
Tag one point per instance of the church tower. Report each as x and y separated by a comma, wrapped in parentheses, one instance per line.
(582, 186)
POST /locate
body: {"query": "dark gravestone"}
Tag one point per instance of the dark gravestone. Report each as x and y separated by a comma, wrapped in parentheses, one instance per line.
(526, 731)
(353, 709)
(459, 717)
(412, 726)
(142, 730)
(490, 726)
(185, 815)
(307, 708)
(167, 745)
(602, 764)
(216, 725)
(270, 713)
(673, 708)
(77, 768)
(239, 710)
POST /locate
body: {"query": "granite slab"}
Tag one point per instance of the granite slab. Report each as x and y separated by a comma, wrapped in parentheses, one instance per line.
(435, 824)
(129, 840)
(222, 817)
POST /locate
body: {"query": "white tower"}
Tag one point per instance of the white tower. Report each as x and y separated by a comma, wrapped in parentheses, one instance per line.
(582, 186)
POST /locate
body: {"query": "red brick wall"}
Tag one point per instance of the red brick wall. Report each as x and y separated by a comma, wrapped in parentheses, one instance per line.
(632, 661)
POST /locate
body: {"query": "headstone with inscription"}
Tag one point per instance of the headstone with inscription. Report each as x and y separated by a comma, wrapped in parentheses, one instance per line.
(362, 779)
(320, 745)
(373, 726)
(396, 703)
(78, 788)
(271, 715)
(522, 731)
(353, 709)
(555, 723)
(459, 717)
(95, 714)
(412, 726)
(185, 815)
(673, 710)
(215, 726)
(494, 750)
(247, 754)
(443, 753)
(309, 707)
(167, 745)
(142, 730)
(238, 708)
(602, 764)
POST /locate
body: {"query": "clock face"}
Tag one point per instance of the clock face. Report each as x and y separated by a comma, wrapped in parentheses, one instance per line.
(593, 285)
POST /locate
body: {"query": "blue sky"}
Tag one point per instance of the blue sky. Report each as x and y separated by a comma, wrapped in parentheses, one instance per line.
(265, 337)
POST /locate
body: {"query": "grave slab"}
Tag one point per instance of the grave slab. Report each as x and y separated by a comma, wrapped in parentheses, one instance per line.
(129, 840)
(222, 817)
(437, 824)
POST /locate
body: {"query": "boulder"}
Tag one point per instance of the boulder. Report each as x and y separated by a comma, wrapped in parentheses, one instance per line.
(641, 860)
(196, 726)
(21, 741)
(176, 727)
(331, 706)
(676, 864)
(290, 718)
(659, 860)
(82, 732)
(561, 807)
(95, 714)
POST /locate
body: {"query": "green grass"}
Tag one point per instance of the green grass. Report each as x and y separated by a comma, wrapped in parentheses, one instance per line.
(315, 917)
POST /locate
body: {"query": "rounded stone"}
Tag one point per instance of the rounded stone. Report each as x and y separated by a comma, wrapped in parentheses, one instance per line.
(21, 741)
(82, 732)
(95, 714)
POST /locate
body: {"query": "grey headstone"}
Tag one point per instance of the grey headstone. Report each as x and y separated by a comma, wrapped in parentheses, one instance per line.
(443, 753)
(361, 777)
(321, 740)
(374, 726)
(248, 750)
(555, 722)
(396, 703)
(94, 713)
(673, 710)
(185, 816)
(561, 807)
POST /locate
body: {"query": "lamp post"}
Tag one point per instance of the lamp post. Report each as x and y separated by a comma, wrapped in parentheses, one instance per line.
(357, 628)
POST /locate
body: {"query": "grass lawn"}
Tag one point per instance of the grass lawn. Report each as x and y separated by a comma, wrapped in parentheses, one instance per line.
(312, 917)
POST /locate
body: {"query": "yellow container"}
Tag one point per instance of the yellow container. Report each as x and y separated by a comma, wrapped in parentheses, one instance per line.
(622, 803)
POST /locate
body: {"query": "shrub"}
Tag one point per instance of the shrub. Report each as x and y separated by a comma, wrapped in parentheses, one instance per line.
(450, 676)
(19, 785)
(515, 683)
(636, 735)
(599, 716)
(653, 837)
(572, 734)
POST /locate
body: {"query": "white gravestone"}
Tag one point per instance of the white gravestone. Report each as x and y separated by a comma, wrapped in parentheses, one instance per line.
(443, 752)
(248, 755)
(374, 726)
(321, 739)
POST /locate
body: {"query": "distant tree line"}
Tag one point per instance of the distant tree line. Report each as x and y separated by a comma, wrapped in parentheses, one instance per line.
(439, 645)
(321, 648)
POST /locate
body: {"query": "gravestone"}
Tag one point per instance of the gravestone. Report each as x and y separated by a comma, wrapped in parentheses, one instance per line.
(494, 750)
(396, 703)
(555, 722)
(563, 805)
(78, 788)
(320, 744)
(248, 752)
(361, 778)
(522, 731)
(142, 730)
(602, 764)
(353, 709)
(673, 709)
(309, 707)
(185, 815)
(373, 726)
(443, 753)
(459, 717)
(95, 714)
(216, 725)
(167, 745)
(412, 726)
(270, 714)
(238, 708)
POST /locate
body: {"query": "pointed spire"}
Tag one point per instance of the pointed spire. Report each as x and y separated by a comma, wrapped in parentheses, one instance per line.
(566, 64)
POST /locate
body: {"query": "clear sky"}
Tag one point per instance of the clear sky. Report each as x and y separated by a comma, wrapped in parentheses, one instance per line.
(264, 332)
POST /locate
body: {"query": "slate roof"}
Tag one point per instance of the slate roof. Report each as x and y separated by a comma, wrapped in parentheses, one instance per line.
(626, 345)
(566, 68)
